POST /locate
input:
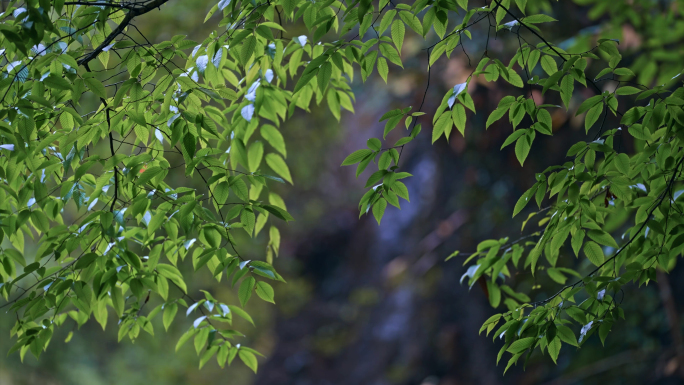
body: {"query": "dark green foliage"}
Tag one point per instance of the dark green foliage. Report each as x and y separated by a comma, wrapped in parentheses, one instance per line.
(94, 118)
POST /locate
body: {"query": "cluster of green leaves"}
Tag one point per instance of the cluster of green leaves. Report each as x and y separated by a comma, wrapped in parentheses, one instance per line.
(600, 193)
(658, 25)
(94, 119)
(385, 183)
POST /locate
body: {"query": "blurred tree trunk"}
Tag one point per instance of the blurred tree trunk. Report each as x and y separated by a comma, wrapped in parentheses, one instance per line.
(676, 365)
(422, 328)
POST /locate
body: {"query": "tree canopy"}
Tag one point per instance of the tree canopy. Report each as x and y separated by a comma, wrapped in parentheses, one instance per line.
(103, 131)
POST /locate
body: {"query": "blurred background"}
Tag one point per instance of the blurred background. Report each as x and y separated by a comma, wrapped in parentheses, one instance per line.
(369, 304)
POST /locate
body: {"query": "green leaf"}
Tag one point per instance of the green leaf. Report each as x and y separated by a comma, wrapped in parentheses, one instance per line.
(248, 220)
(190, 145)
(544, 118)
(172, 273)
(85, 261)
(602, 238)
(245, 291)
(412, 21)
(391, 54)
(535, 19)
(356, 157)
(383, 69)
(238, 311)
(622, 163)
(522, 147)
(493, 320)
(577, 240)
(96, 87)
(603, 72)
(248, 359)
(592, 116)
(386, 20)
(533, 59)
(323, 75)
(515, 79)
(170, 311)
(625, 72)
(513, 137)
(627, 90)
(594, 253)
(391, 113)
(440, 127)
(277, 164)
(401, 190)
(521, 5)
(566, 335)
(496, 115)
(247, 50)
(552, 81)
(556, 275)
(278, 212)
(567, 85)
(207, 355)
(604, 329)
(524, 200)
(265, 291)
(398, 32)
(521, 345)
(379, 209)
(458, 115)
(549, 65)
(185, 337)
(374, 144)
(274, 138)
(304, 80)
(494, 294)
(554, 349)
(391, 124)
(56, 82)
(254, 155)
(589, 103)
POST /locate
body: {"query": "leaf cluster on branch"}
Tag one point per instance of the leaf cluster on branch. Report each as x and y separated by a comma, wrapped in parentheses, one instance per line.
(95, 119)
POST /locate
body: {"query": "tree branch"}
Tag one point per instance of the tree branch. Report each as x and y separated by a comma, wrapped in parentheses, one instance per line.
(133, 12)
(100, 4)
(659, 202)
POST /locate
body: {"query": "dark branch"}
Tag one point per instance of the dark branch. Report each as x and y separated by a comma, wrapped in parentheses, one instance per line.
(133, 12)
(650, 213)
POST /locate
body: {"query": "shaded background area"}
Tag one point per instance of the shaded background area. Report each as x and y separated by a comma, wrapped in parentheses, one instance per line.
(369, 304)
